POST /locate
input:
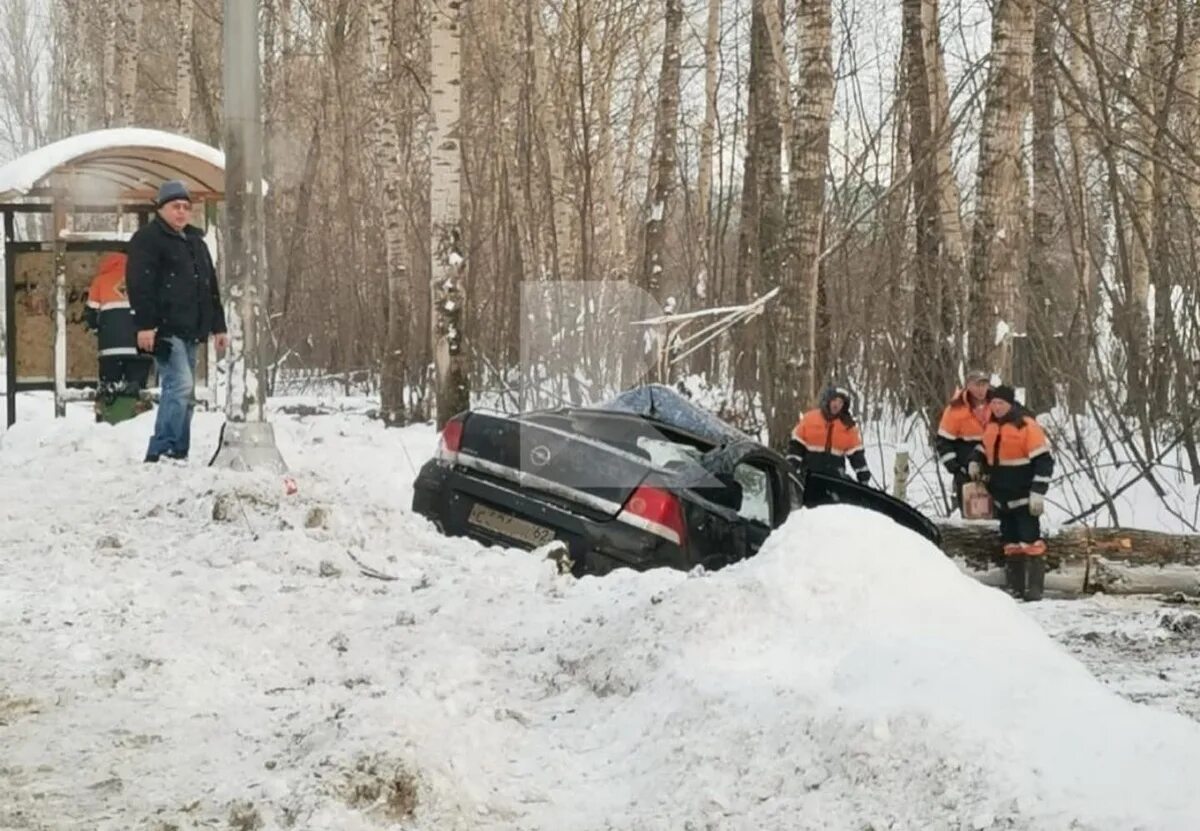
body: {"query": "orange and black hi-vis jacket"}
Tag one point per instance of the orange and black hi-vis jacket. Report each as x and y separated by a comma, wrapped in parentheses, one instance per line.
(823, 442)
(108, 311)
(960, 431)
(1016, 457)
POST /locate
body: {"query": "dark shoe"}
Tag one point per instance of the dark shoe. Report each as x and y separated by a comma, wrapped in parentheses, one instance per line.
(150, 458)
(1014, 575)
(1035, 576)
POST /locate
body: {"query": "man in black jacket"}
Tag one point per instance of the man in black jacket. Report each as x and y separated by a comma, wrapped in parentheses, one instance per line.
(176, 305)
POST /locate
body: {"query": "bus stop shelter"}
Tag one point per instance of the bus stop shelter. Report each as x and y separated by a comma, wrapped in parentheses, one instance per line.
(106, 177)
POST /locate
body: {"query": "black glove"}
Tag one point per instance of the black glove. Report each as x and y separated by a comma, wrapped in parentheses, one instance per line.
(864, 477)
(953, 467)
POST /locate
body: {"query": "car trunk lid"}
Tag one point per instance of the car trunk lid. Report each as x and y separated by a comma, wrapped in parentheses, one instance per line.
(553, 460)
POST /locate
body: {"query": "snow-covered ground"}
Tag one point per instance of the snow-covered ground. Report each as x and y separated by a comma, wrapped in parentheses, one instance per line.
(185, 647)
(1147, 649)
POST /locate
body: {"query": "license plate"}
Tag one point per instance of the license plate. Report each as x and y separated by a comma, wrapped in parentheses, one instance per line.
(509, 526)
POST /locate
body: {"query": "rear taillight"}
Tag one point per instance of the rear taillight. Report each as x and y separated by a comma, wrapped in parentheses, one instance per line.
(451, 440)
(657, 511)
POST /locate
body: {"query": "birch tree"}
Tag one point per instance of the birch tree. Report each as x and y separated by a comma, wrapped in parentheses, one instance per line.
(73, 90)
(183, 66)
(939, 238)
(445, 195)
(662, 176)
(795, 370)
(131, 27)
(1043, 266)
(1074, 83)
(952, 263)
(760, 226)
(1140, 227)
(385, 141)
(996, 243)
(704, 193)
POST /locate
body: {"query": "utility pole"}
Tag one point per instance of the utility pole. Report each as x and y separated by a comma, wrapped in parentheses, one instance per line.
(247, 439)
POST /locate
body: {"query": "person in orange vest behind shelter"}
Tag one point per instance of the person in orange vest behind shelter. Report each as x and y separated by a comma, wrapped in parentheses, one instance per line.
(961, 428)
(1014, 459)
(123, 371)
(826, 437)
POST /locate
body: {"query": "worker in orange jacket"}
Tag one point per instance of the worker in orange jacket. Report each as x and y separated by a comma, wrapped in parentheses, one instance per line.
(1014, 459)
(961, 428)
(826, 437)
(123, 370)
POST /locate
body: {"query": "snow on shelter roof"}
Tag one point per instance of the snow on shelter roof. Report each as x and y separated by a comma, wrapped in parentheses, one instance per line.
(125, 164)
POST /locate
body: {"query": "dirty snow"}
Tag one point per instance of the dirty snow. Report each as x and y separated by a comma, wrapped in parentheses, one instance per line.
(1145, 648)
(185, 647)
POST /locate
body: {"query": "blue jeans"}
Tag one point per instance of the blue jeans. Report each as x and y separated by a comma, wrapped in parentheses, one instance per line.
(177, 380)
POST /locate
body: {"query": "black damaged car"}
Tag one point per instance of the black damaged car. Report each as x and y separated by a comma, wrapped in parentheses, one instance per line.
(647, 479)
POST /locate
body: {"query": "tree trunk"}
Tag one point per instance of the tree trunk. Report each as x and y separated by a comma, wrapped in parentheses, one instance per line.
(900, 241)
(1076, 363)
(1047, 210)
(938, 229)
(704, 176)
(183, 67)
(952, 260)
(1077, 543)
(612, 225)
(131, 38)
(385, 140)
(1144, 169)
(779, 68)
(661, 180)
(445, 194)
(111, 23)
(760, 226)
(796, 310)
(1172, 54)
(75, 90)
(1189, 87)
(996, 244)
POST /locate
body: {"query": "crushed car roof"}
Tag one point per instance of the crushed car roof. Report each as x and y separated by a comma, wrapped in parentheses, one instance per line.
(672, 408)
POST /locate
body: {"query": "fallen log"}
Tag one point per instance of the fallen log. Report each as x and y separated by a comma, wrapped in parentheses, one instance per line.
(1085, 560)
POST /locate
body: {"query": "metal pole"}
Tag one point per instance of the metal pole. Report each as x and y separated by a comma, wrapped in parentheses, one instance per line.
(243, 190)
(60, 306)
(10, 322)
(247, 440)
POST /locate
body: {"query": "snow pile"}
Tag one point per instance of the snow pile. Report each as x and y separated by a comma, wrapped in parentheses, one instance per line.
(186, 647)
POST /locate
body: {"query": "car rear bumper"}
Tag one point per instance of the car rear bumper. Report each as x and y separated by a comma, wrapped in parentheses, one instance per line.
(495, 513)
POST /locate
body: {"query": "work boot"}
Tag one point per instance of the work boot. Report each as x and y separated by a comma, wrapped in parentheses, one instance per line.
(1035, 575)
(1014, 574)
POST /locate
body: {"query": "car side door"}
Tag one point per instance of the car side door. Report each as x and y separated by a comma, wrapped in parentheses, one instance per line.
(766, 495)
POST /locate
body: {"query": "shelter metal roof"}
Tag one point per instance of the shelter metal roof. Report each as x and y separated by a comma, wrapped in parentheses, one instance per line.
(122, 165)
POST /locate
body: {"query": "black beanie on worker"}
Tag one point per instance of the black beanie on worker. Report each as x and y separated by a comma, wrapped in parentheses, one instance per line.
(1004, 393)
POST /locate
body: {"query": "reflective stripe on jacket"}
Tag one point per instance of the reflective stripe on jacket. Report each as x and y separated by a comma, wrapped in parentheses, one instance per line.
(1017, 458)
(960, 430)
(108, 310)
(826, 444)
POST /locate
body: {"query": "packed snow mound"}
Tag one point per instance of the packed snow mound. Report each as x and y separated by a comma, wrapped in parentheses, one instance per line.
(184, 646)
